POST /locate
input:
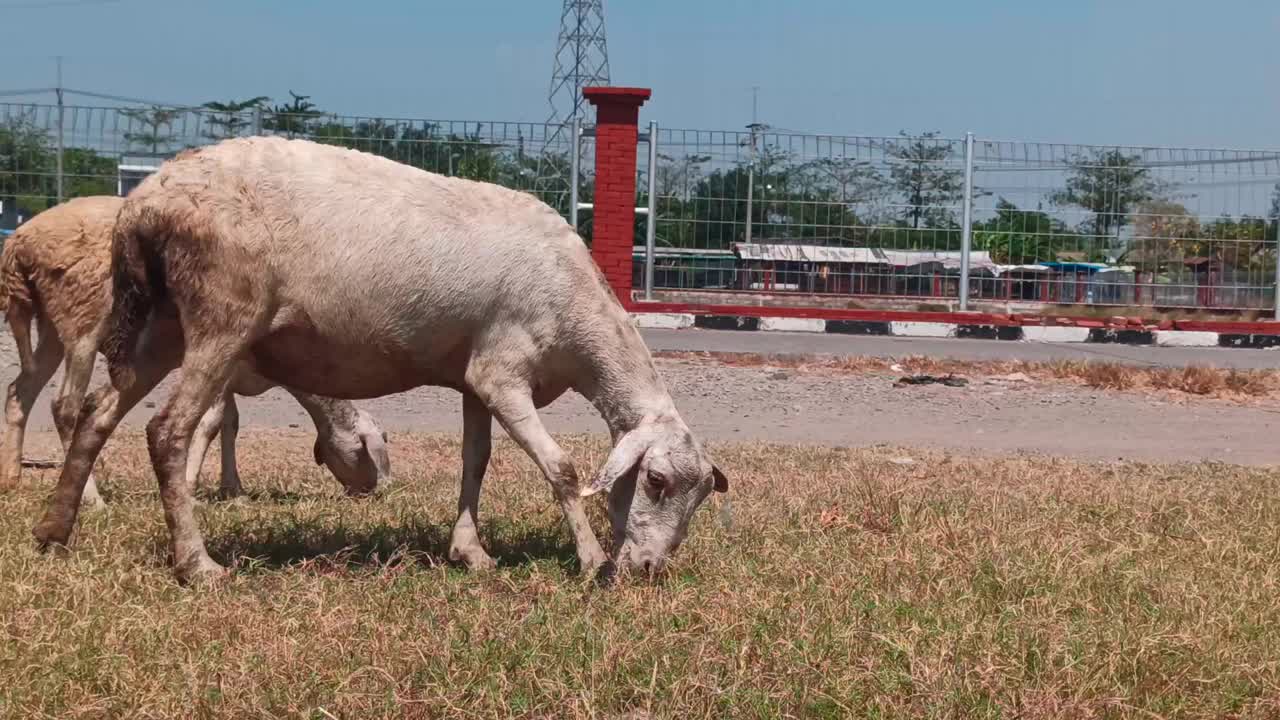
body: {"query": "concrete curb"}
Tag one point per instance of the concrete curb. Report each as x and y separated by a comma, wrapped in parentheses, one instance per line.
(894, 328)
(663, 321)
(1050, 334)
(922, 329)
(1187, 338)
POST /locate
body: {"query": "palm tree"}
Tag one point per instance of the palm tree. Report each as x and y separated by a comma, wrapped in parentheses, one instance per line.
(228, 118)
(152, 119)
(294, 117)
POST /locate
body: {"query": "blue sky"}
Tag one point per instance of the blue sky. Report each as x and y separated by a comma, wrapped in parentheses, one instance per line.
(1170, 72)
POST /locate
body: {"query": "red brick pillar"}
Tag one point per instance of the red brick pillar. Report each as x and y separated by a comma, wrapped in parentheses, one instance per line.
(614, 215)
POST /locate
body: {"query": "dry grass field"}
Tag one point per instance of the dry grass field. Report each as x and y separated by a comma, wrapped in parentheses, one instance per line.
(877, 582)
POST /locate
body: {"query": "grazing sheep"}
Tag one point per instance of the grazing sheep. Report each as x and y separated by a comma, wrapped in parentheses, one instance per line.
(350, 274)
(56, 270)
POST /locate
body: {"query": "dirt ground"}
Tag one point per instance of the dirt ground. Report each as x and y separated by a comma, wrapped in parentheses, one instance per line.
(730, 404)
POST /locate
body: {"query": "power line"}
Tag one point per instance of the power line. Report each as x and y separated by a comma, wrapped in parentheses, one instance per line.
(97, 96)
(52, 4)
(123, 99)
(35, 91)
(581, 60)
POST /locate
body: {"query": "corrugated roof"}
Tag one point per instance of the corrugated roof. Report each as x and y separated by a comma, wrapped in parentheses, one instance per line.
(979, 260)
(1002, 269)
(917, 261)
(639, 251)
(1076, 266)
(807, 253)
(947, 259)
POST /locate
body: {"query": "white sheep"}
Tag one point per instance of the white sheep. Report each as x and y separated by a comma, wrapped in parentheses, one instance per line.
(55, 271)
(344, 273)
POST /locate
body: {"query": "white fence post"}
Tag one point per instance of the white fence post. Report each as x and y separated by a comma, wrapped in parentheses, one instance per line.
(651, 227)
(575, 157)
(1275, 283)
(966, 236)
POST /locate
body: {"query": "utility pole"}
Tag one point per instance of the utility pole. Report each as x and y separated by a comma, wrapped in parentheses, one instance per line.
(755, 127)
(751, 181)
(61, 110)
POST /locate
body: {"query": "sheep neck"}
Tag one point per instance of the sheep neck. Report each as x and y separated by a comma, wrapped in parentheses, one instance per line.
(622, 382)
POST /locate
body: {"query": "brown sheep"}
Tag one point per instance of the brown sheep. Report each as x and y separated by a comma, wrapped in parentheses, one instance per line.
(56, 271)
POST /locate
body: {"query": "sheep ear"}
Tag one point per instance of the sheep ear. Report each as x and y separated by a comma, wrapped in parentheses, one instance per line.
(721, 482)
(624, 458)
(375, 446)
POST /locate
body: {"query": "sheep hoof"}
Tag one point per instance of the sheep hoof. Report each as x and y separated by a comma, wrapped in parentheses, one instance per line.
(203, 572)
(93, 503)
(229, 492)
(53, 531)
(473, 556)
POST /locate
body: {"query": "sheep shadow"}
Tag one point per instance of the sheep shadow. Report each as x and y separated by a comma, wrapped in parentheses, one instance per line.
(212, 495)
(382, 545)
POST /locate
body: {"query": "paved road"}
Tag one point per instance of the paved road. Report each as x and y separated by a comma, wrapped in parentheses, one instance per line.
(737, 404)
(880, 346)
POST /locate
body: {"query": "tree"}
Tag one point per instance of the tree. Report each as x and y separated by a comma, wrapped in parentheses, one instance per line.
(472, 156)
(86, 173)
(1237, 243)
(522, 173)
(229, 118)
(777, 184)
(519, 170)
(788, 205)
(28, 168)
(1163, 231)
(1015, 236)
(1110, 185)
(856, 186)
(676, 178)
(1274, 216)
(919, 173)
(154, 122)
(27, 165)
(294, 117)
(718, 209)
(375, 136)
(851, 181)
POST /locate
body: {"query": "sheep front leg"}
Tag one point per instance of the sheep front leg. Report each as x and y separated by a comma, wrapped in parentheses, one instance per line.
(229, 487)
(67, 404)
(100, 413)
(99, 416)
(519, 417)
(477, 442)
(210, 424)
(36, 369)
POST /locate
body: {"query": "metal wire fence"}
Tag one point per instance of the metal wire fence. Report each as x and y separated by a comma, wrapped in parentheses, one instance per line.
(925, 218)
(777, 212)
(109, 150)
(1164, 227)
(784, 212)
